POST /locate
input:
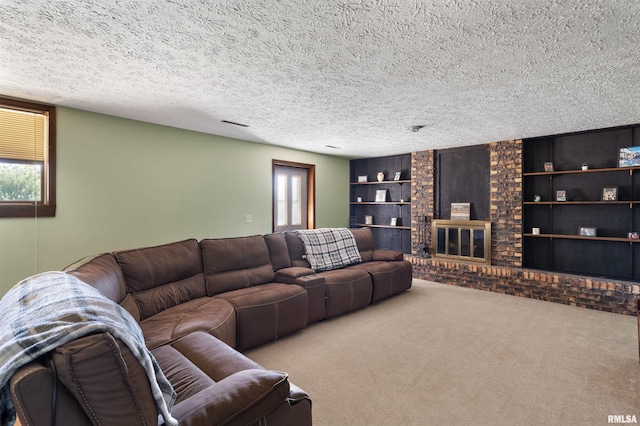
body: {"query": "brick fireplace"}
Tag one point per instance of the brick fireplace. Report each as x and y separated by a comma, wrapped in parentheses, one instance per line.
(505, 274)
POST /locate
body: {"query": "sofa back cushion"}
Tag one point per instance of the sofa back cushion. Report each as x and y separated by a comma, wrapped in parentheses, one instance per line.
(296, 250)
(366, 243)
(235, 263)
(163, 276)
(278, 251)
(104, 274)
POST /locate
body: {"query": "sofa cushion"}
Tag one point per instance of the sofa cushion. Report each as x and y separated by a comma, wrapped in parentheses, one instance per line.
(235, 263)
(107, 380)
(388, 278)
(278, 251)
(214, 316)
(163, 276)
(365, 241)
(101, 272)
(296, 250)
(347, 290)
(267, 312)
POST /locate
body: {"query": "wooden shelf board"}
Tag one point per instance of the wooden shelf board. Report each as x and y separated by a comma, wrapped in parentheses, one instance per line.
(581, 237)
(367, 203)
(564, 172)
(383, 226)
(532, 203)
(378, 183)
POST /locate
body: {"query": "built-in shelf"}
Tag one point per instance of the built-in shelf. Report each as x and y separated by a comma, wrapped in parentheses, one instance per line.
(559, 246)
(379, 215)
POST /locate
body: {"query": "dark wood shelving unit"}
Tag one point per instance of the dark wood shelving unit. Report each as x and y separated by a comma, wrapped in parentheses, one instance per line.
(396, 237)
(559, 246)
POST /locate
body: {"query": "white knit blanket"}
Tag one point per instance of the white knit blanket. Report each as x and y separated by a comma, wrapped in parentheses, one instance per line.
(53, 308)
(329, 248)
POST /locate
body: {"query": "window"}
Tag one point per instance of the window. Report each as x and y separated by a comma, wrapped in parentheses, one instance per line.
(27, 159)
(293, 196)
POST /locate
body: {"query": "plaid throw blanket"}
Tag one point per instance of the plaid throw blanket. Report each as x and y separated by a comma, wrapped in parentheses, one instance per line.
(329, 248)
(53, 308)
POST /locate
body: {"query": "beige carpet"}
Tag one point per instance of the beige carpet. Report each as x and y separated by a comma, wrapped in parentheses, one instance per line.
(445, 355)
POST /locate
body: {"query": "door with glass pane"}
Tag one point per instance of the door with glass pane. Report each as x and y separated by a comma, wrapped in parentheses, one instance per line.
(290, 198)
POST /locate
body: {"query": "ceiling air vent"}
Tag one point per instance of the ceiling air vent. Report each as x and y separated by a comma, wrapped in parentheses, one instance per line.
(235, 124)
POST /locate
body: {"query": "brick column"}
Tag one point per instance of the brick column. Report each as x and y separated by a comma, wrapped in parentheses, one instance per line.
(422, 198)
(505, 182)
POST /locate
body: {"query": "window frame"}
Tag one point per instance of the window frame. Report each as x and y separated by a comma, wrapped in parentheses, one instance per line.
(46, 207)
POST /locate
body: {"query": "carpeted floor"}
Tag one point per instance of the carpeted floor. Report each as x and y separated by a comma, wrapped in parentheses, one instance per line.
(446, 355)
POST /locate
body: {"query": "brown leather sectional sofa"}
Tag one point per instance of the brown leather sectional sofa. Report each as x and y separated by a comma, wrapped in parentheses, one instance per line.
(199, 304)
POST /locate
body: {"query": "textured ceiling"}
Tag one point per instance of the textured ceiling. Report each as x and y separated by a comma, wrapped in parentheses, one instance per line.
(351, 73)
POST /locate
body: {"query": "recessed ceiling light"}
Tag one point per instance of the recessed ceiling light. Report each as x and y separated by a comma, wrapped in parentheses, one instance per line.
(234, 123)
(333, 147)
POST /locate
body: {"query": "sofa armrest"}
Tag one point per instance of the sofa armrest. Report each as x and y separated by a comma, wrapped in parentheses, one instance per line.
(293, 274)
(387, 255)
(241, 398)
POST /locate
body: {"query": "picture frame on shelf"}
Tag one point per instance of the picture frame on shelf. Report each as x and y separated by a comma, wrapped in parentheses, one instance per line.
(460, 211)
(629, 156)
(587, 231)
(397, 176)
(394, 221)
(381, 195)
(609, 193)
(561, 195)
(364, 178)
(548, 166)
(368, 220)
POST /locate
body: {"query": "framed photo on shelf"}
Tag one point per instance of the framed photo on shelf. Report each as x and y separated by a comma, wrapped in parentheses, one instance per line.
(610, 193)
(548, 166)
(561, 195)
(460, 211)
(394, 221)
(368, 220)
(364, 178)
(587, 231)
(397, 176)
(381, 195)
(629, 157)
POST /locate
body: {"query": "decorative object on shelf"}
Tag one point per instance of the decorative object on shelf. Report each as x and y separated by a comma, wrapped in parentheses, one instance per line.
(397, 176)
(381, 195)
(633, 235)
(394, 221)
(585, 166)
(629, 156)
(364, 178)
(536, 198)
(402, 200)
(460, 211)
(548, 166)
(359, 199)
(587, 231)
(368, 220)
(380, 176)
(610, 193)
(535, 231)
(561, 195)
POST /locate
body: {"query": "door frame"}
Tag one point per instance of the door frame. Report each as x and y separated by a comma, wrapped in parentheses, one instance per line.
(311, 190)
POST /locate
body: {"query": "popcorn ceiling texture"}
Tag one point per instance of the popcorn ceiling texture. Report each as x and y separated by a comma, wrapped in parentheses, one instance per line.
(350, 73)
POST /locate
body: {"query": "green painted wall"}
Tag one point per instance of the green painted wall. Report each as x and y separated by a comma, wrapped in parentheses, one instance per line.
(125, 184)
